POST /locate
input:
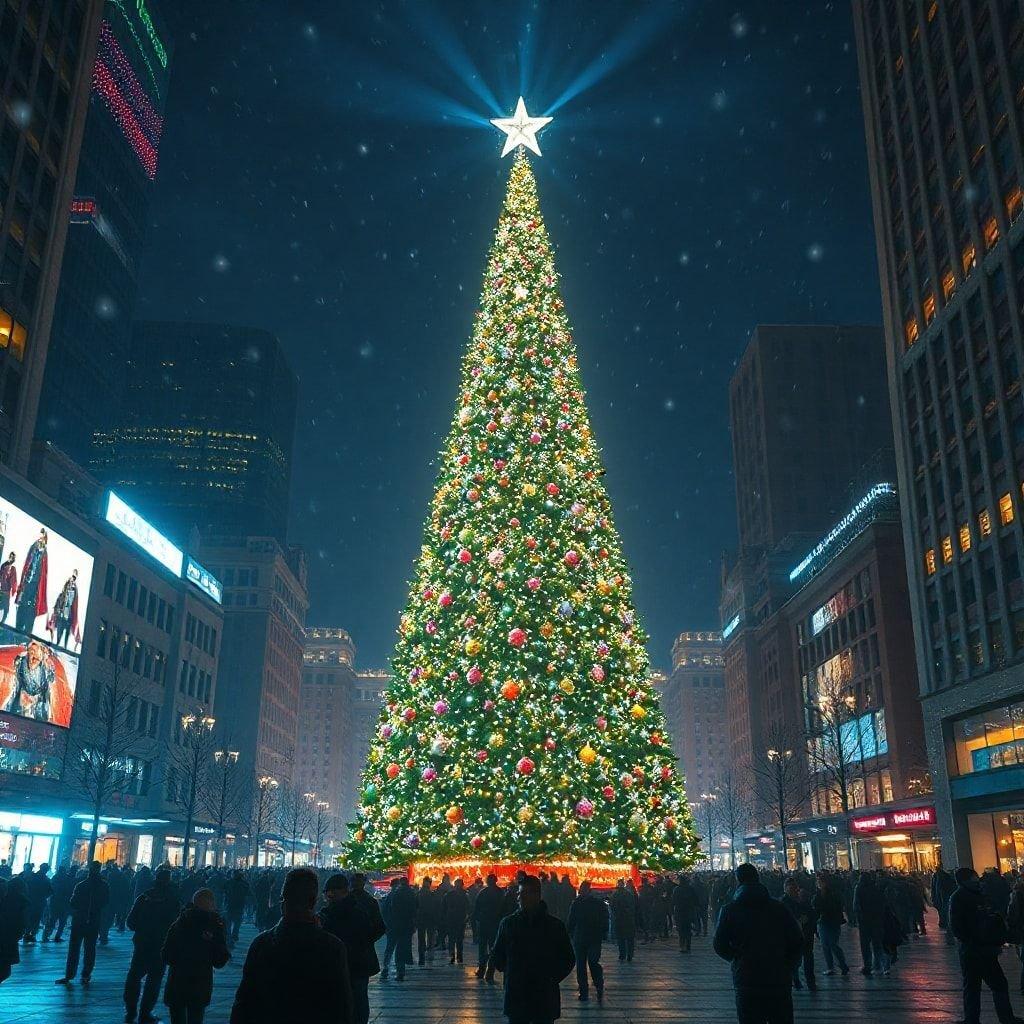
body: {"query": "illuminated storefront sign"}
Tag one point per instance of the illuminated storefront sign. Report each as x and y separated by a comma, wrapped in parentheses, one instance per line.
(136, 529)
(836, 533)
(730, 627)
(203, 579)
(913, 817)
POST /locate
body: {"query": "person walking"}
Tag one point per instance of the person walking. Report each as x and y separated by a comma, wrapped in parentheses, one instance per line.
(297, 970)
(88, 904)
(762, 941)
(533, 952)
(39, 890)
(624, 908)
(684, 909)
(149, 920)
(942, 887)
(398, 910)
(196, 945)
(60, 903)
(980, 933)
(236, 896)
(358, 926)
(869, 908)
(14, 910)
(455, 912)
(828, 905)
(588, 928)
(487, 915)
(795, 900)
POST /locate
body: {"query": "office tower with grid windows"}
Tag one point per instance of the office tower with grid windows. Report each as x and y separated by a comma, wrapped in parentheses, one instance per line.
(942, 86)
(46, 60)
(85, 379)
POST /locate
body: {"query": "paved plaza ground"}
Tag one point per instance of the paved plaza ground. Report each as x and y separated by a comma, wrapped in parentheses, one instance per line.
(661, 985)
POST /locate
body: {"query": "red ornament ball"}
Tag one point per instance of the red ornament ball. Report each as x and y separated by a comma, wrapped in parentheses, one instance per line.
(511, 689)
(476, 842)
(517, 637)
(552, 489)
(525, 766)
(608, 793)
(392, 770)
(465, 556)
(481, 756)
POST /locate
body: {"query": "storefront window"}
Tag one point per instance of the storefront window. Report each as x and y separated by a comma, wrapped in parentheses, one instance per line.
(997, 840)
(992, 739)
(886, 777)
(856, 793)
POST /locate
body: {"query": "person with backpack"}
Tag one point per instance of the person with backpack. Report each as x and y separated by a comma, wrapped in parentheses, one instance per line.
(196, 945)
(588, 928)
(980, 933)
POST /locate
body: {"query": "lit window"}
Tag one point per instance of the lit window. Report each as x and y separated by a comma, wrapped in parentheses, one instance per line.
(947, 549)
(910, 331)
(1014, 204)
(991, 232)
(984, 522)
(929, 309)
(1006, 509)
(929, 561)
(948, 284)
(12, 334)
(965, 537)
(969, 258)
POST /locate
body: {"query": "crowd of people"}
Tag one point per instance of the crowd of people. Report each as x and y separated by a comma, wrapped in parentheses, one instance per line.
(319, 930)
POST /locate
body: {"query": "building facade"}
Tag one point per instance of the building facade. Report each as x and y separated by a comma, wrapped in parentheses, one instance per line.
(84, 385)
(206, 434)
(940, 84)
(46, 61)
(693, 699)
(265, 604)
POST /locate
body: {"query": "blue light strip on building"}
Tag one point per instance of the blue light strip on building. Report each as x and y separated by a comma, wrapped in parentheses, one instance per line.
(730, 627)
(844, 525)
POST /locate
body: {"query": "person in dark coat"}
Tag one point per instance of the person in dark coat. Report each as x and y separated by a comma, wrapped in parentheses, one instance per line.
(996, 890)
(60, 903)
(624, 911)
(14, 910)
(588, 928)
(487, 914)
(980, 934)
(88, 905)
(196, 944)
(700, 891)
(358, 924)
(762, 941)
(455, 911)
(149, 920)
(869, 908)
(236, 896)
(795, 900)
(142, 882)
(684, 909)
(296, 971)
(828, 905)
(942, 888)
(39, 889)
(398, 910)
(534, 953)
(426, 920)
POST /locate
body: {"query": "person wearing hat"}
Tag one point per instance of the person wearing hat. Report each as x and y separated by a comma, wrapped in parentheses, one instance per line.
(352, 915)
(149, 920)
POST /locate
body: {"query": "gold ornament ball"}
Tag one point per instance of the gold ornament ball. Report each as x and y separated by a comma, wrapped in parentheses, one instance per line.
(588, 755)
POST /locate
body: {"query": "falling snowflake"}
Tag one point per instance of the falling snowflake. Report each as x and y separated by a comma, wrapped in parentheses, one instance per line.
(221, 263)
(815, 252)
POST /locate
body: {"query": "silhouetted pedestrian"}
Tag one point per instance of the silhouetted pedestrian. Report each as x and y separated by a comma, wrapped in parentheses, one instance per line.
(88, 905)
(196, 944)
(149, 920)
(588, 928)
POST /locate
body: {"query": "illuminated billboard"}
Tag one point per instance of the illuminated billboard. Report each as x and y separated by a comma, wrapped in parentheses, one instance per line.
(45, 583)
(203, 579)
(136, 529)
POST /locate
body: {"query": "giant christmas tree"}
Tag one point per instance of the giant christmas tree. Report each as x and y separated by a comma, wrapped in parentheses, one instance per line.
(521, 727)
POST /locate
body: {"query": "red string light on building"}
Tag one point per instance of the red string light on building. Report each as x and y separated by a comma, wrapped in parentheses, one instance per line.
(114, 80)
(103, 84)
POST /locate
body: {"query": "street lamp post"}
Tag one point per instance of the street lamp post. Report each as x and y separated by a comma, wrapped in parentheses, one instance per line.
(195, 729)
(226, 761)
(267, 784)
(779, 760)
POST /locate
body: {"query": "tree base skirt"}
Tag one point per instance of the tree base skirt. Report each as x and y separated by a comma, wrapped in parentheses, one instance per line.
(599, 874)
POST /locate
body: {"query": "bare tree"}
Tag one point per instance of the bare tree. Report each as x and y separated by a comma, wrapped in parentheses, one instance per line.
(259, 810)
(224, 794)
(779, 780)
(835, 745)
(320, 825)
(294, 815)
(733, 807)
(188, 765)
(103, 757)
(706, 815)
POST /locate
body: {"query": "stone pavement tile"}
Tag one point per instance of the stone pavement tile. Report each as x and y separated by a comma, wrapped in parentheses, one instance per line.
(659, 987)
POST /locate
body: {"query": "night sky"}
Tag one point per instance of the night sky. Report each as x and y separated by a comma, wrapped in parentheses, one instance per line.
(327, 172)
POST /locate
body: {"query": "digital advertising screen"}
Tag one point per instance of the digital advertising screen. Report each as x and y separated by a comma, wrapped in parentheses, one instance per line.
(44, 600)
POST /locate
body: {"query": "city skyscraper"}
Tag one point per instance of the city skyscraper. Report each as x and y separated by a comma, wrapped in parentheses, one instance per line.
(86, 369)
(46, 62)
(940, 85)
(206, 434)
(808, 411)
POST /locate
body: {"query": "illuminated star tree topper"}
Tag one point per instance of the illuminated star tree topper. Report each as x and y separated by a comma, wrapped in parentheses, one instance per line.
(520, 129)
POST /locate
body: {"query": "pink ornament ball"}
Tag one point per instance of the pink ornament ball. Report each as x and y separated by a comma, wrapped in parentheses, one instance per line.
(535, 438)
(428, 775)
(474, 676)
(584, 808)
(445, 599)
(386, 732)
(488, 705)
(597, 673)
(441, 708)
(572, 558)
(431, 627)
(533, 583)
(427, 594)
